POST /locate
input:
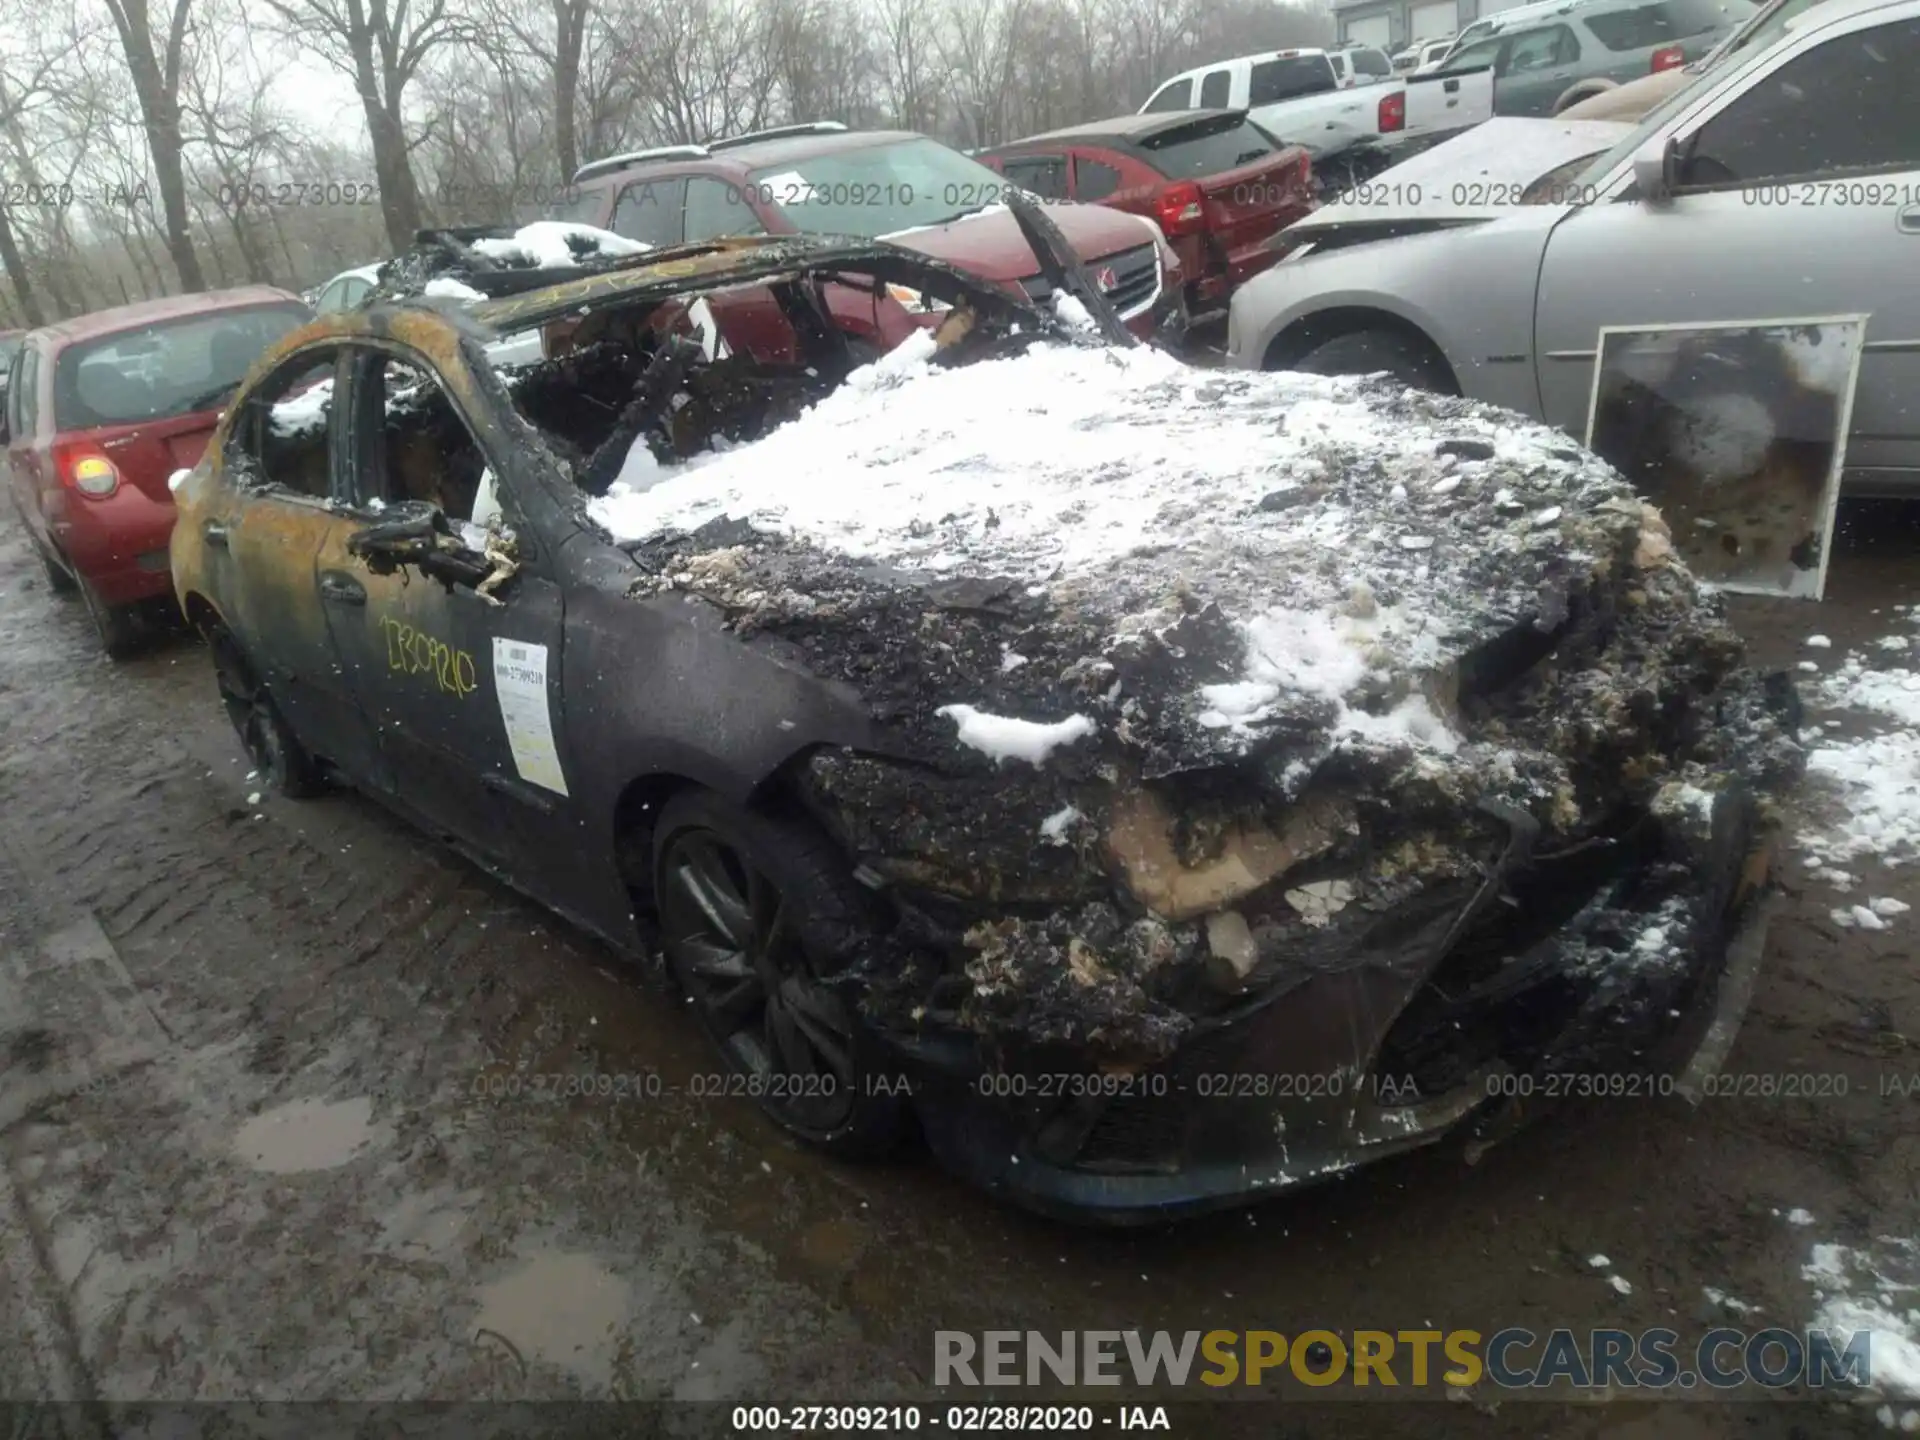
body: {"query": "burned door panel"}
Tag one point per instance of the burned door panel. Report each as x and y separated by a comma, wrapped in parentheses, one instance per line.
(456, 663)
(266, 537)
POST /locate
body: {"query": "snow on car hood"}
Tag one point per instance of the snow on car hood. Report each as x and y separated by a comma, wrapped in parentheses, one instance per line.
(1357, 538)
(1478, 175)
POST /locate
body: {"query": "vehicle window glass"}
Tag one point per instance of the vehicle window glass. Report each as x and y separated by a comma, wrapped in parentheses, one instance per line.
(171, 367)
(283, 438)
(578, 207)
(1093, 180)
(1846, 107)
(1474, 57)
(1372, 62)
(1339, 63)
(873, 190)
(1206, 147)
(1175, 96)
(1539, 50)
(424, 450)
(1045, 175)
(1646, 27)
(649, 211)
(355, 292)
(1289, 78)
(329, 300)
(1216, 88)
(1767, 25)
(715, 207)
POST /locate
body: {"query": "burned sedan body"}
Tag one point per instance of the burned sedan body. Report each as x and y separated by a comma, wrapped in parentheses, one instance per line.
(1168, 786)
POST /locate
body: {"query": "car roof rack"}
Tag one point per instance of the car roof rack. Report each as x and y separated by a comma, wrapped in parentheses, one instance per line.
(635, 157)
(778, 132)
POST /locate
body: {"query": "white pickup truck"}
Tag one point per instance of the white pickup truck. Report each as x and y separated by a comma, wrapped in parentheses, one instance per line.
(1295, 95)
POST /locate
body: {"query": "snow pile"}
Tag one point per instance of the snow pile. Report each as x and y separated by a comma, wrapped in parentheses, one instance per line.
(557, 244)
(1876, 779)
(1118, 478)
(1877, 1291)
(1002, 738)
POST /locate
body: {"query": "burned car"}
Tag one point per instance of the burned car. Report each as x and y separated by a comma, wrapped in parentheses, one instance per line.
(1161, 786)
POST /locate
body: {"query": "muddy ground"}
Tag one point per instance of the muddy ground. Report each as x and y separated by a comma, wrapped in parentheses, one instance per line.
(248, 1150)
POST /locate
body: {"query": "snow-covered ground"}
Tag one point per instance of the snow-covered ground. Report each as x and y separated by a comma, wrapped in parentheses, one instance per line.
(1866, 788)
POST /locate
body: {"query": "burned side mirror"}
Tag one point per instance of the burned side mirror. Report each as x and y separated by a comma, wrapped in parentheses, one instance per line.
(419, 534)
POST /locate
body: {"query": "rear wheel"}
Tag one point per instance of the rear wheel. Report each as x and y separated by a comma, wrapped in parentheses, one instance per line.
(59, 578)
(118, 626)
(1371, 352)
(276, 752)
(757, 915)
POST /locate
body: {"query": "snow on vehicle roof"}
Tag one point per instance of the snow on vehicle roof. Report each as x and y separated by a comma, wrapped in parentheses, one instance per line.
(556, 244)
(1344, 526)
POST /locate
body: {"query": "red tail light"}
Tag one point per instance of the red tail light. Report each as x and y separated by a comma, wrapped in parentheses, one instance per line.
(1306, 174)
(81, 466)
(1179, 209)
(1393, 112)
(1670, 57)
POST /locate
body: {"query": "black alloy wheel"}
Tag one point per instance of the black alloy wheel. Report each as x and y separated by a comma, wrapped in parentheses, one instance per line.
(275, 751)
(738, 896)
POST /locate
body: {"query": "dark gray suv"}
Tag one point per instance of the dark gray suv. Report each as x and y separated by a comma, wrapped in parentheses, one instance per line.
(1549, 56)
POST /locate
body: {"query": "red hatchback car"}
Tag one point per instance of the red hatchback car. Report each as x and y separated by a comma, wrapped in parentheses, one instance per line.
(101, 411)
(1219, 187)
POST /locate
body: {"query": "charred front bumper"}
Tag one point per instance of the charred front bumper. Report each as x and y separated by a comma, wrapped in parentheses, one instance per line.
(1411, 1014)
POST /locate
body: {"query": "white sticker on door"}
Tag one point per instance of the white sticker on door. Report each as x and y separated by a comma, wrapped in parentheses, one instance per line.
(520, 682)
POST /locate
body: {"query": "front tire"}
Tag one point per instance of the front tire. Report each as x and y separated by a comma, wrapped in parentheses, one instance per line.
(758, 916)
(276, 752)
(1371, 352)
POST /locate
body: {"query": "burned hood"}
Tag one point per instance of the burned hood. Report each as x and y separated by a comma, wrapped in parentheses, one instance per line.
(1288, 554)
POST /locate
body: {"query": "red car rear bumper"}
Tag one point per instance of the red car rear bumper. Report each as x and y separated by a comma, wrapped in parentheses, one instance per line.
(118, 543)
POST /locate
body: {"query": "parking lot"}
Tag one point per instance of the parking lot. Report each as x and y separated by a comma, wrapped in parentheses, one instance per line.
(259, 1138)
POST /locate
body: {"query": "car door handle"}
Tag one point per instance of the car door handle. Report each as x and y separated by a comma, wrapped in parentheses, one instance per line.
(342, 590)
(1909, 220)
(215, 533)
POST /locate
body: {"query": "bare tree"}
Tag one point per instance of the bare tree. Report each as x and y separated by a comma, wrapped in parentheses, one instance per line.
(380, 45)
(154, 64)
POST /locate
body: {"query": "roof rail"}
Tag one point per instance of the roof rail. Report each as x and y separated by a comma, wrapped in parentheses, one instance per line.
(778, 132)
(635, 157)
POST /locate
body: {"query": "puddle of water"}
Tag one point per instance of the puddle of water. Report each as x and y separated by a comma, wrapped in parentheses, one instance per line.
(306, 1135)
(562, 1308)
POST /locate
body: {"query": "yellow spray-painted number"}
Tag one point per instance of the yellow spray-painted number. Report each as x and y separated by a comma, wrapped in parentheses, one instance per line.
(414, 652)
